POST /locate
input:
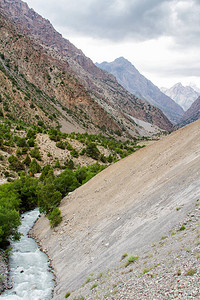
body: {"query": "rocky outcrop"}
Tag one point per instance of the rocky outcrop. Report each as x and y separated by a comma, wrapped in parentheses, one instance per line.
(100, 86)
(131, 79)
(124, 209)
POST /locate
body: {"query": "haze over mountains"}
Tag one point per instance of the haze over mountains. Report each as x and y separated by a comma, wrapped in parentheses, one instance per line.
(131, 79)
(79, 95)
(182, 95)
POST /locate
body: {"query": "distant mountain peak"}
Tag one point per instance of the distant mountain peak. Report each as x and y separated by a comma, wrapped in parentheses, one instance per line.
(183, 95)
(131, 79)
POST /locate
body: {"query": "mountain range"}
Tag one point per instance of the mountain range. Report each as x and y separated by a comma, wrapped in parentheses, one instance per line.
(131, 79)
(182, 95)
(50, 79)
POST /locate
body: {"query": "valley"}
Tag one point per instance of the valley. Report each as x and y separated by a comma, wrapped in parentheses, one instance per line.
(111, 162)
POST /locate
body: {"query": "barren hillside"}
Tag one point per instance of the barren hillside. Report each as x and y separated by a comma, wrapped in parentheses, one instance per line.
(125, 208)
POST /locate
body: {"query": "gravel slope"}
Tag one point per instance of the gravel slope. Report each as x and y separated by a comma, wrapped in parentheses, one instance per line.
(125, 208)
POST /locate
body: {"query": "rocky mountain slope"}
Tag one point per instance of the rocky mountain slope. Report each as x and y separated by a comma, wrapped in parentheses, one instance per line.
(74, 82)
(124, 209)
(192, 114)
(35, 84)
(183, 95)
(131, 79)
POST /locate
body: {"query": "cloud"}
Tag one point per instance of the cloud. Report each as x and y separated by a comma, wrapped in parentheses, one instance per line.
(118, 20)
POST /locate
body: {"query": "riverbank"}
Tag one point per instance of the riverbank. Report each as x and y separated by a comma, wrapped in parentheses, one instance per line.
(29, 268)
(4, 271)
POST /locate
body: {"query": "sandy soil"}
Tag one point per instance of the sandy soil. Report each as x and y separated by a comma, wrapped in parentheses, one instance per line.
(127, 206)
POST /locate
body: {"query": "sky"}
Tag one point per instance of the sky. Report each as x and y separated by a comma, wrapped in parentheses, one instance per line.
(159, 37)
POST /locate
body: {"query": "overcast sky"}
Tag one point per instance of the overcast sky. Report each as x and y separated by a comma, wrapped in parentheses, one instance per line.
(160, 37)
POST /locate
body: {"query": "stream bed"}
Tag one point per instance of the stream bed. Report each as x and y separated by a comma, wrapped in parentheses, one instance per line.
(30, 274)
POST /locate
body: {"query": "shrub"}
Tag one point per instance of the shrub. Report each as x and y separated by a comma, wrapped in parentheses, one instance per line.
(74, 153)
(92, 151)
(15, 164)
(131, 259)
(55, 217)
(190, 272)
(182, 228)
(94, 286)
(27, 160)
(31, 142)
(21, 142)
(61, 145)
(67, 295)
(69, 164)
(34, 167)
(35, 152)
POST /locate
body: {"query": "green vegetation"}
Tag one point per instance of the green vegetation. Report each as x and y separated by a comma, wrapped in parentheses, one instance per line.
(94, 286)
(181, 228)
(18, 139)
(46, 192)
(131, 259)
(67, 295)
(190, 272)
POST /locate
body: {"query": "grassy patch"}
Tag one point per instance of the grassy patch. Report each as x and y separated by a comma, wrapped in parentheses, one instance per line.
(94, 286)
(131, 259)
(190, 272)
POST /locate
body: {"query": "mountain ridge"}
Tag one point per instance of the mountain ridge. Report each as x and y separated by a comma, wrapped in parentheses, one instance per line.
(129, 77)
(99, 85)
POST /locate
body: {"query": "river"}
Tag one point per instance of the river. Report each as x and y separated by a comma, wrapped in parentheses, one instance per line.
(30, 274)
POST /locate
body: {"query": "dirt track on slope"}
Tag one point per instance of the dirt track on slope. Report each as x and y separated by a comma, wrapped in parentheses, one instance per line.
(124, 208)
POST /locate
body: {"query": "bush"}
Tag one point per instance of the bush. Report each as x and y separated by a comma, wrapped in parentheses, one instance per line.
(92, 151)
(61, 145)
(27, 160)
(35, 152)
(74, 153)
(34, 167)
(31, 142)
(21, 142)
(55, 217)
(15, 164)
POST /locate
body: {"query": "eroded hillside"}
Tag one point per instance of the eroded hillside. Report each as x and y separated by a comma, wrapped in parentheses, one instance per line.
(124, 209)
(93, 96)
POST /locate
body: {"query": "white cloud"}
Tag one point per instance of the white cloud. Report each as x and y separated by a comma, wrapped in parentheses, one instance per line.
(161, 37)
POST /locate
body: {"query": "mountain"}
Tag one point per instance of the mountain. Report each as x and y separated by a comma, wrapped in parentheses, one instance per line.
(131, 79)
(192, 114)
(195, 87)
(139, 206)
(182, 95)
(37, 87)
(92, 96)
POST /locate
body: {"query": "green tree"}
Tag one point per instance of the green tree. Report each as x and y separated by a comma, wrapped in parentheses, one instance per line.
(92, 151)
(34, 167)
(9, 222)
(48, 198)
